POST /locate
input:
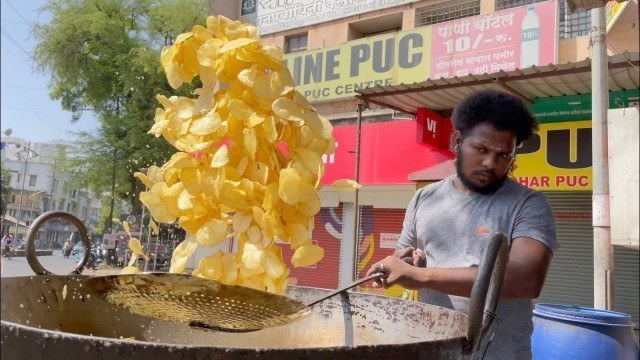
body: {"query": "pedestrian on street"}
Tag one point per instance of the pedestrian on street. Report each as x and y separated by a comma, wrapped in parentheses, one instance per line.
(449, 223)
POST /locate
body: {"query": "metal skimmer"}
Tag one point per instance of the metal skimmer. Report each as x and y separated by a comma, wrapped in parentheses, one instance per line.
(203, 303)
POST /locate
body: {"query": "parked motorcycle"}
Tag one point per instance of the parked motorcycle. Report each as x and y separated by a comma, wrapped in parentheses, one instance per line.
(94, 260)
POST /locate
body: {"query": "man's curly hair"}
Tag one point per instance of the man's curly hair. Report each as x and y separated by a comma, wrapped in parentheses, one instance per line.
(501, 110)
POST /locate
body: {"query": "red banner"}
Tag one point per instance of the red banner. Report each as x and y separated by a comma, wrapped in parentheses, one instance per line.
(389, 153)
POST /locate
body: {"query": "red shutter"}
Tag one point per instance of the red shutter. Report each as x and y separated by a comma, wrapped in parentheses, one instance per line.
(328, 235)
(377, 237)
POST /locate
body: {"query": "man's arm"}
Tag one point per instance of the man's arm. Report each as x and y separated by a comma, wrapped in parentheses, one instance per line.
(529, 261)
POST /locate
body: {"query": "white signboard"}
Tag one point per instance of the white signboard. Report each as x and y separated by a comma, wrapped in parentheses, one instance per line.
(624, 175)
(278, 15)
(389, 241)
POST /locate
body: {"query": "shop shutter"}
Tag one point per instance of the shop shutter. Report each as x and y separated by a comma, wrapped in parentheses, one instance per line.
(378, 234)
(327, 234)
(570, 277)
(625, 272)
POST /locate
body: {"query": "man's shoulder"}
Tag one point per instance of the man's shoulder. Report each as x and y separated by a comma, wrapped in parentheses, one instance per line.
(434, 187)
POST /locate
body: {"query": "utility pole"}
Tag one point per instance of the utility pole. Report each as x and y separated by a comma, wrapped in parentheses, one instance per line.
(603, 284)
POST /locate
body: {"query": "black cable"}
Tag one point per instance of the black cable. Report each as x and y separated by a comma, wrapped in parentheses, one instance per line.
(495, 318)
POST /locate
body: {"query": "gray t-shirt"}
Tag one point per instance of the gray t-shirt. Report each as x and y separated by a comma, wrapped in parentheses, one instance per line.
(453, 228)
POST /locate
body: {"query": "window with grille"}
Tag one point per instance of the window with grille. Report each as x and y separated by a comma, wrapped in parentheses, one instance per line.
(32, 180)
(446, 11)
(509, 4)
(569, 25)
(573, 25)
(296, 43)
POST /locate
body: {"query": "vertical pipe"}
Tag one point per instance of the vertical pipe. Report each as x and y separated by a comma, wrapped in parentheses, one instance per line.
(603, 286)
(356, 207)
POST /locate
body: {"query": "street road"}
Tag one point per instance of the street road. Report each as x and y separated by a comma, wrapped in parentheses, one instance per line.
(55, 263)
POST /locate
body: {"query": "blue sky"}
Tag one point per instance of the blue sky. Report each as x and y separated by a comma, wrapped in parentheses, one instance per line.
(26, 107)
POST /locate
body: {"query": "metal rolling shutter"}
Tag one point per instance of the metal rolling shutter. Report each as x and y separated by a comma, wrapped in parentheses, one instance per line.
(328, 235)
(570, 277)
(625, 273)
(377, 235)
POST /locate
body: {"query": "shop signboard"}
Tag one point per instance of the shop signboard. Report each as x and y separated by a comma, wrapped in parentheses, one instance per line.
(338, 71)
(272, 16)
(502, 41)
(382, 144)
(557, 158)
(613, 9)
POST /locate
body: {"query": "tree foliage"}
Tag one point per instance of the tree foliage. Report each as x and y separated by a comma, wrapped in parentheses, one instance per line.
(104, 56)
(5, 189)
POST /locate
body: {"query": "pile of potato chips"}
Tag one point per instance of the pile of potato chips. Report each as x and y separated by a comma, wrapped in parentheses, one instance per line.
(230, 176)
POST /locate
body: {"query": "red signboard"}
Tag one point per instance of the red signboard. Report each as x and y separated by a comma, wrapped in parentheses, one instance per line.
(389, 153)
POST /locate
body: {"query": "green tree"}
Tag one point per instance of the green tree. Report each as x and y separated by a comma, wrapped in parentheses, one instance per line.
(104, 56)
(5, 196)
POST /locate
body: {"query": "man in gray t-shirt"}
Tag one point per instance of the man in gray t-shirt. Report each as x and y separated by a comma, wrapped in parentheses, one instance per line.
(448, 224)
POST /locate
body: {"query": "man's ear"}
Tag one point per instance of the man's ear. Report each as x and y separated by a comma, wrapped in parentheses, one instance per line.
(456, 139)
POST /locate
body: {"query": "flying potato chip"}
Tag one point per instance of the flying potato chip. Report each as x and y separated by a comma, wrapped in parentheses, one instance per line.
(130, 270)
(307, 255)
(126, 227)
(136, 247)
(345, 185)
(212, 233)
(154, 226)
(252, 255)
(221, 157)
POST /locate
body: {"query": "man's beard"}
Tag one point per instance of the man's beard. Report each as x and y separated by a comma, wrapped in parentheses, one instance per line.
(489, 189)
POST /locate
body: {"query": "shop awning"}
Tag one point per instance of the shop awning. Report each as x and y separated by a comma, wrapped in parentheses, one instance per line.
(434, 173)
(531, 83)
(12, 221)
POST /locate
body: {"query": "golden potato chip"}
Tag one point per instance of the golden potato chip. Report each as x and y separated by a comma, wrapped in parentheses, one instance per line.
(288, 109)
(289, 186)
(126, 227)
(252, 255)
(229, 269)
(299, 235)
(136, 247)
(182, 253)
(133, 260)
(307, 255)
(130, 270)
(211, 266)
(186, 201)
(154, 227)
(212, 233)
(221, 157)
(345, 185)
(192, 180)
(241, 221)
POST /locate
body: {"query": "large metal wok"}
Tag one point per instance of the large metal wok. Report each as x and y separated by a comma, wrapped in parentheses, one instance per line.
(38, 323)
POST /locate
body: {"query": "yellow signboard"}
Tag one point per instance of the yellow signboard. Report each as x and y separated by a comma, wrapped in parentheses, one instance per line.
(558, 158)
(613, 9)
(338, 71)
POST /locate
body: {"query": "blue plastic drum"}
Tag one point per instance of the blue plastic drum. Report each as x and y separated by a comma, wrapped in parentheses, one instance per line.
(575, 332)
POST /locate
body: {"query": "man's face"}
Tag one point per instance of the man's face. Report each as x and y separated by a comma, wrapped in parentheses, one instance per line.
(484, 157)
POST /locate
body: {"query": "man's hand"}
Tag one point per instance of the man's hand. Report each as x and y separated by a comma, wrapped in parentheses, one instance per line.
(411, 256)
(397, 272)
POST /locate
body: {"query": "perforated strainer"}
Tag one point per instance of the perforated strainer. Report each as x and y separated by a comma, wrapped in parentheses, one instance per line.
(203, 303)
